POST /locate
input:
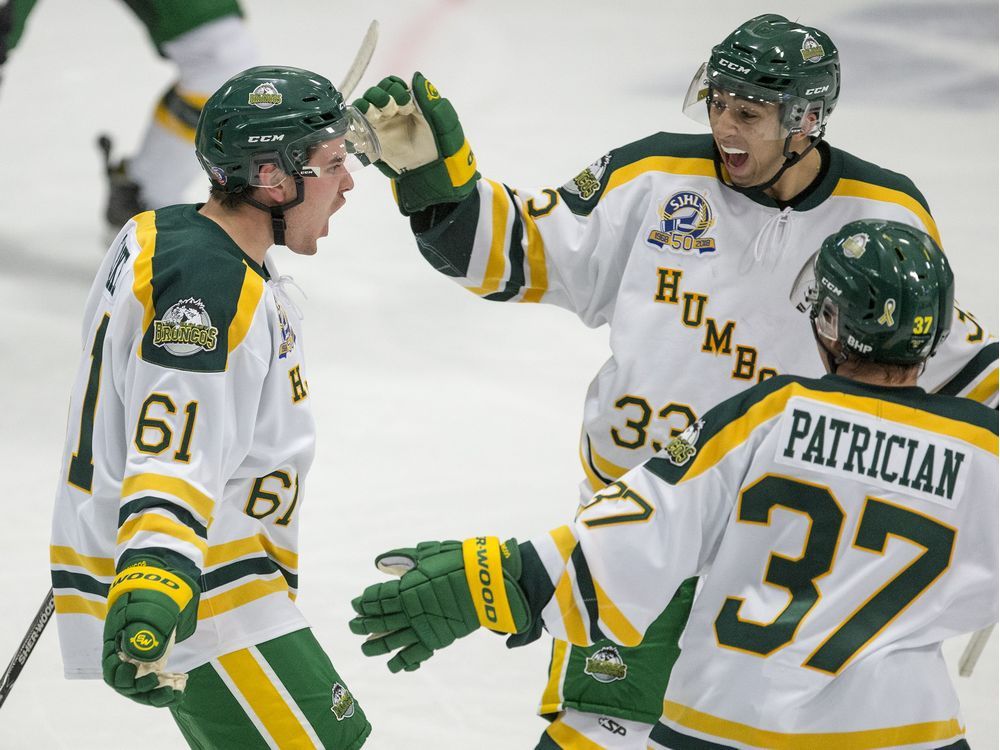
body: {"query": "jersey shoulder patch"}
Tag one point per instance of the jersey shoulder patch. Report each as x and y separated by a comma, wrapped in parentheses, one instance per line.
(664, 152)
(198, 291)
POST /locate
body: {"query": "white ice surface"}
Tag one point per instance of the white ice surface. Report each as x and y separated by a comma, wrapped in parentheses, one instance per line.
(439, 415)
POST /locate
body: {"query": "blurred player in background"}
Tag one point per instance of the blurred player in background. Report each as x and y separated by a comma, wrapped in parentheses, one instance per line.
(175, 533)
(843, 528)
(208, 41)
(685, 245)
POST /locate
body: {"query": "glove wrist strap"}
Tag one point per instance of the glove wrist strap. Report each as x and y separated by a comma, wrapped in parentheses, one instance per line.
(483, 557)
(142, 577)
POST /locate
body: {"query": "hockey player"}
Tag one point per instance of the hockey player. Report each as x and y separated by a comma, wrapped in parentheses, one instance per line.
(174, 539)
(843, 528)
(677, 243)
(208, 41)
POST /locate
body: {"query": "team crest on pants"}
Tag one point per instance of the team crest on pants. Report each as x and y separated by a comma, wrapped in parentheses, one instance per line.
(343, 702)
(606, 665)
(685, 220)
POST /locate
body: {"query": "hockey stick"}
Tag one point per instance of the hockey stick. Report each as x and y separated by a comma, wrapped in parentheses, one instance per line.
(361, 60)
(973, 650)
(27, 646)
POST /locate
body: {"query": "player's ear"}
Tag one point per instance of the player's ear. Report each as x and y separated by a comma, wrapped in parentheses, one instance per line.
(275, 187)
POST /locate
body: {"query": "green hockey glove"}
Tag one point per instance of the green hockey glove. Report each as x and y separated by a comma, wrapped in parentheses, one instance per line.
(149, 608)
(448, 590)
(423, 146)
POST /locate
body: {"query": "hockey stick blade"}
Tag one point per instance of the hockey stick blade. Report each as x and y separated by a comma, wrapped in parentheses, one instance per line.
(27, 646)
(361, 60)
(973, 650)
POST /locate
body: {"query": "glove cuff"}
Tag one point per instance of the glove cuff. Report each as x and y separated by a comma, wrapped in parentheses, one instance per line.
(152, 575)
(491, 571)
(447, 180)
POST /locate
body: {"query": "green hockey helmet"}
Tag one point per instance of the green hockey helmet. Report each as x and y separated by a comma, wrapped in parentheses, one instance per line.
(272, 115)
(772, 60)
(881, 289)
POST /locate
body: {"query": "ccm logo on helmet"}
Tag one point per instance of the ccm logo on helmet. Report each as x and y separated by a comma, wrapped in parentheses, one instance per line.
(266, 138)
(733, 66)
(818, 90)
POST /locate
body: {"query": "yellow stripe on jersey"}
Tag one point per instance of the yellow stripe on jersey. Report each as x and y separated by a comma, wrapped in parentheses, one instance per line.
(605, 466)
(154, 523)
(565, 541)
(568, 738)
(99, 566)
(595, 482)
(572, 620)
(670, 164)
(620, 627)
(250, 294)
(987, 389)
(251, 591)
(551, 700)
(176, 487)
(859, 189)
(222, 553)
(78, 605)
(495, 264)
(539, 280)
(264, 699)
(736, 432)
(885, 737)
(142, 271)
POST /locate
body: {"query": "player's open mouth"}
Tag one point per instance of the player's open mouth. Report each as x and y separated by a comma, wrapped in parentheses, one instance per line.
(733, 157)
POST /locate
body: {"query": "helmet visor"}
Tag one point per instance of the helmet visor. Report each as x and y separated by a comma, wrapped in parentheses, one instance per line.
(768, 114)
(348, 143)
(804, 290)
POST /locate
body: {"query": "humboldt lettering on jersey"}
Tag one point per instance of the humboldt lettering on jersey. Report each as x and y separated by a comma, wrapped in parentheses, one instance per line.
(185, 329)
(117, 267)
(588, 182)
(606, 665)
(897, 457)
(718, 335)
(685, 219)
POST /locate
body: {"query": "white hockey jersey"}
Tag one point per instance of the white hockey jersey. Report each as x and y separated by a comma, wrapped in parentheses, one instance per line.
(189, 438)
(842, 531)
(692, 276)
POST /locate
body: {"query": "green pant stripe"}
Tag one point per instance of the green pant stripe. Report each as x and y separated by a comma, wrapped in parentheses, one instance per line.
(210, 716)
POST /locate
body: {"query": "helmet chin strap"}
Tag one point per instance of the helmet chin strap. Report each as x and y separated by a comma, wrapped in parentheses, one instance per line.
(791, 159)
(277, 213)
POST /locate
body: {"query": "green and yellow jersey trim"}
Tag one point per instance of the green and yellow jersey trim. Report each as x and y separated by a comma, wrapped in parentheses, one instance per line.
(735, 433)
(871, 739)
(859, 189)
